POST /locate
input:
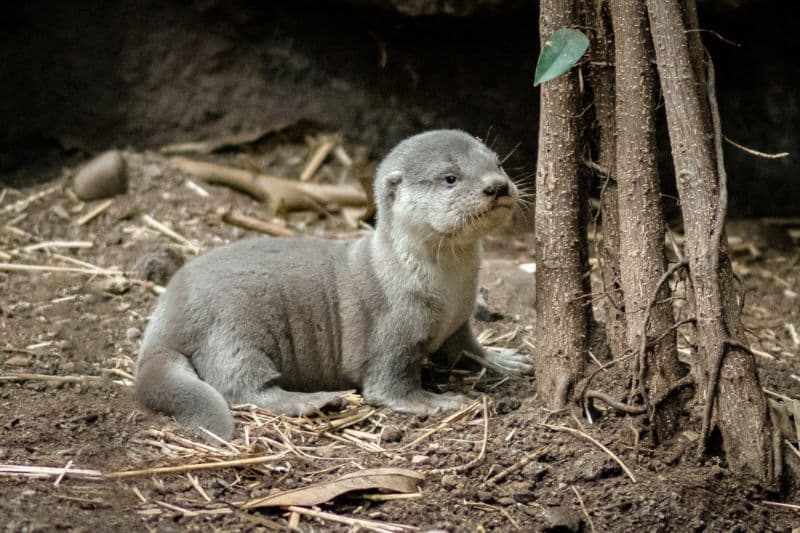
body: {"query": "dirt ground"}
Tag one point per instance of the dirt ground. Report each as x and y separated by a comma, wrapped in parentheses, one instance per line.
(68, 341)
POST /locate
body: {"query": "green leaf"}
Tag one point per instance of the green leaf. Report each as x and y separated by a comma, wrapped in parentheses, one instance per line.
(559, 53)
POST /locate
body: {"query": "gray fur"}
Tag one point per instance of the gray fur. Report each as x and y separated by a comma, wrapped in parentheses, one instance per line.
(275, 321)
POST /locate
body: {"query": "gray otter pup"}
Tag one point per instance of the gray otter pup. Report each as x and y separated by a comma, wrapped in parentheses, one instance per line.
(281, 323)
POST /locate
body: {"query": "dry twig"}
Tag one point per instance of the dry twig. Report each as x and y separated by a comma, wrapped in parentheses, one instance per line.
(470, 465)
(583, 507)
(93, 213)
(371, 525)
(594, 441)
(181, 469)
(532, 456)
(169, 232)
(17, 267)
(254, 224)
(317, 158)
(756, 153)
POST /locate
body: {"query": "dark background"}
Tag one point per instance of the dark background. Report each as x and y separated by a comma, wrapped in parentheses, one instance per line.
(79, 77)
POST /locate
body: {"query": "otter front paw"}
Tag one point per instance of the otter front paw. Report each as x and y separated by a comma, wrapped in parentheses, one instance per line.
(510, 361)
(424, 402)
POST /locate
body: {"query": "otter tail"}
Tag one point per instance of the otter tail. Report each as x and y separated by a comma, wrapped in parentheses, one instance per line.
(167, 382)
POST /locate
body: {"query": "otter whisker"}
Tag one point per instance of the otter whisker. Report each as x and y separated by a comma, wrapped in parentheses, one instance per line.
(486, 141)
(502, 161)
(524, 202)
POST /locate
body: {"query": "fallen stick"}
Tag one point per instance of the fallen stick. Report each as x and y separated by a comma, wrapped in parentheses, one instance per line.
(583, 507)
(784, 505)
(481, 454)
(470, 410)
(277, 193)
(58, 244)
(16, 267)
(213, 145)
(254, 224)
(182, 469)
(317, 158)
(169, 232)
(49, 471)
(47, 377)
(20, 205)
(93, 213)
(519, 464)
(372, 525)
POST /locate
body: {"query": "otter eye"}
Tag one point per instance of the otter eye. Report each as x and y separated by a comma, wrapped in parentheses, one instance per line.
(450, 179)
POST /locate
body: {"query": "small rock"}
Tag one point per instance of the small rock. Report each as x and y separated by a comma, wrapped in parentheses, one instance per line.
(102, 177)
(518, 491)
(133, 333)
(419, 459)
(391, 434)
(113, 285)
(158, 264)
(21, 307)
(562, 519)
(88, 317)
(485, 496)
(38, 386)
(18, 360)
(59, 211)
(438, 461)
(534, 471)
(449, 481)
(596, 465)
(506, 406)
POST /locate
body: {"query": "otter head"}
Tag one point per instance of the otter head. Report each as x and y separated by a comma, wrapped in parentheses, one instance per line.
(443, 184)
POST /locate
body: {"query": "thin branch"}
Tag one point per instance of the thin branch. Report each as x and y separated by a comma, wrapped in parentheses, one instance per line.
(585, 511)
(532, 456)
(765, 155)
(482, 454)
(181, 469)
(594, 441)
(370, 525)
(717, 35)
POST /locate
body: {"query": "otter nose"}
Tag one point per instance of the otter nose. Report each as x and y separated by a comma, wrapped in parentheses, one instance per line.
(496, 186)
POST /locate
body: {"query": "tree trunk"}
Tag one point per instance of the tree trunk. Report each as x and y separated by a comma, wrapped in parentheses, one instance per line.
(601, 77)
(561, 317)
(741, 410)
(641, 231)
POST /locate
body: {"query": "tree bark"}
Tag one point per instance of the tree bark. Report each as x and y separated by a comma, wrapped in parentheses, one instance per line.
(601, 77)
(741, 409)
(641, 220)
(561, 317)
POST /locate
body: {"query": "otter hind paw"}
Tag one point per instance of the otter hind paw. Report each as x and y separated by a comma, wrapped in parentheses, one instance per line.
(292, 403)
(512, 362)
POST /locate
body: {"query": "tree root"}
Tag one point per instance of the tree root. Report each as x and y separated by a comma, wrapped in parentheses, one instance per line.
(685, 381)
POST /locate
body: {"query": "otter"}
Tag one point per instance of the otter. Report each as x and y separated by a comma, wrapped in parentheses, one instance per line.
(289, 323)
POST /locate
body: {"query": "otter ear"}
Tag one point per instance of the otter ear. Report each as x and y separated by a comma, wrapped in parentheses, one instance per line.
(391, 180)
